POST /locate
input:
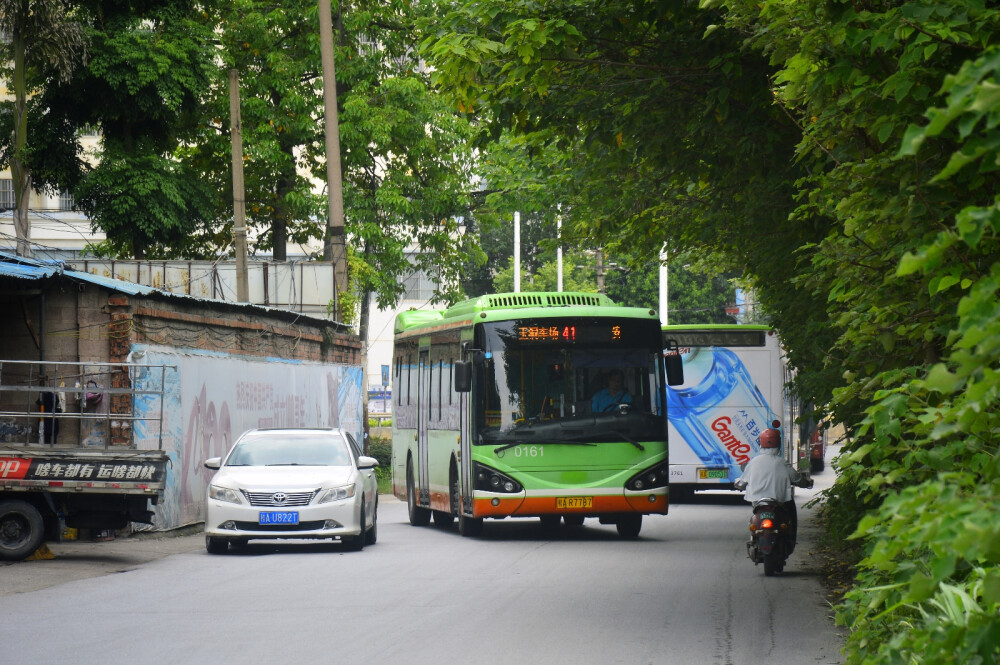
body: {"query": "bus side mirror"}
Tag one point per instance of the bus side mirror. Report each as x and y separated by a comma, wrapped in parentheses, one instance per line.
(675, 369)
(674, 363)
(463, 376)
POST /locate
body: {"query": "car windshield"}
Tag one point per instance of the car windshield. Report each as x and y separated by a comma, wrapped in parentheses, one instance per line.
(290, 449)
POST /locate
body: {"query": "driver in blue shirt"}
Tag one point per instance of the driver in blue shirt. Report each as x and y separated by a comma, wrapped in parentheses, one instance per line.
(608, 399)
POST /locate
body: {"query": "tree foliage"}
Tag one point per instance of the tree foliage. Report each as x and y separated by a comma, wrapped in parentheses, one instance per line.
(845, 156)
(147, 70)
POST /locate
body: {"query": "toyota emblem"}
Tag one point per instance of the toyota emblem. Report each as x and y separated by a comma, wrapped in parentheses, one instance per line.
(279, 498)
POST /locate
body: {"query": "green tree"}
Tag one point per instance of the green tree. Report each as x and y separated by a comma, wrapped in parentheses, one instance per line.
(45, 43)
(147, 71)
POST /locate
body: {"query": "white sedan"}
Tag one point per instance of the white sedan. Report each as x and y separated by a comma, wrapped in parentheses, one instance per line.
(292, 483)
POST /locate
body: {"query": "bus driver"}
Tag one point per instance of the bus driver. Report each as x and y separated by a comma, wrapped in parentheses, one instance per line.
(607, 399)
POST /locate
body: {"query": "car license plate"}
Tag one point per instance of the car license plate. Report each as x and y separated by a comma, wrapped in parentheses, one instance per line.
(710, 474)
(575, 502)
(279, 517)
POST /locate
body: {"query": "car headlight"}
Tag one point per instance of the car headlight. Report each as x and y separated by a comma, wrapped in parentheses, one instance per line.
(336, 494)
(224, 494)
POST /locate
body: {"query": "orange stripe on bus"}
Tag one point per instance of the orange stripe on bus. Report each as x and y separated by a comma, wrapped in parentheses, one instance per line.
(532, 506)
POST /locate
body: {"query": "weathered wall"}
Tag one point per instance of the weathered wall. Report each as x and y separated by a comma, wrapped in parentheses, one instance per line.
(237, 367)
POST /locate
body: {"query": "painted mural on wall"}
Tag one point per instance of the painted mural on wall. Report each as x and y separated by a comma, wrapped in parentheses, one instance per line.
(212, 398)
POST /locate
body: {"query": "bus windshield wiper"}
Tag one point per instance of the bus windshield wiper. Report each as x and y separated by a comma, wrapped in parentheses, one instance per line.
(629, 439)
(561, 442)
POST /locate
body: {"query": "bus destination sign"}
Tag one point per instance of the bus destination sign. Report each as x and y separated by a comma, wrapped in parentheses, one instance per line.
(567, 333)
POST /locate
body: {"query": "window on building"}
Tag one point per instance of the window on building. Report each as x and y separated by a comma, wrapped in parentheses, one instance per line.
(6, 194)
(66, 201)
(419, 286)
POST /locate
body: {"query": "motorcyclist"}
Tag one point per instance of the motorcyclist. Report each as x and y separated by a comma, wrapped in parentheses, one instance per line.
(769, 476)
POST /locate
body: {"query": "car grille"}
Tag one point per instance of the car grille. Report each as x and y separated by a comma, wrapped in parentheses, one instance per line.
(311, 525)
(273, 499)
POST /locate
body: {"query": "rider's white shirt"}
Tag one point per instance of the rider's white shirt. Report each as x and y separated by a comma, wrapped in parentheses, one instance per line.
(769, 476)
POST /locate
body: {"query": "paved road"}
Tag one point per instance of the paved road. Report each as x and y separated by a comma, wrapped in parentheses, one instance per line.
(683, 593)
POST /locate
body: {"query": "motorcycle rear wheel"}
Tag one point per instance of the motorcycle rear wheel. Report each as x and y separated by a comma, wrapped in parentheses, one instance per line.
(772, 564)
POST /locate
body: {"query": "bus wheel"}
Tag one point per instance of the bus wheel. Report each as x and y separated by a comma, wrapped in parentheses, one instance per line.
(442, 518)
(629, 526)
(470, 527)
(418, 516)
(549, 522)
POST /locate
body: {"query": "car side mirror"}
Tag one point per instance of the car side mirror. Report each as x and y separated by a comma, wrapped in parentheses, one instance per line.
(213, 463)
(365, 462)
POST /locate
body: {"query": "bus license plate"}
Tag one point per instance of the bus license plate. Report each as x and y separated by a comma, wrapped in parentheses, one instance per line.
(711, 474)
(575, 502)
(279, 517)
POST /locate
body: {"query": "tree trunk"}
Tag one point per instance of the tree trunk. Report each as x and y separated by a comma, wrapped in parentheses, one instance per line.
(18, 168)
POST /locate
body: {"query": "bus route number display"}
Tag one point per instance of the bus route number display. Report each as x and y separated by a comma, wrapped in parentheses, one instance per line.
(560, 333)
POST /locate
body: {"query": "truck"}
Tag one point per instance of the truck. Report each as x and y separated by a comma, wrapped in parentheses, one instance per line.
(80, 448)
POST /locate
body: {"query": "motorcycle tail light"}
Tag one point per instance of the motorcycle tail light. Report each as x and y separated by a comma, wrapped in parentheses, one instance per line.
(767, 524)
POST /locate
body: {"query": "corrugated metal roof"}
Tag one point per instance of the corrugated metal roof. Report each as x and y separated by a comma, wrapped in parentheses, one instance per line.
(28, 269)
(21, 267)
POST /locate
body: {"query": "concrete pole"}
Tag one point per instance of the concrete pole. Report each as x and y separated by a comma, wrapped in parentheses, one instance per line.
(335, 246)
(517, 252)
(664, 283)
(239, 196)
(559, 267)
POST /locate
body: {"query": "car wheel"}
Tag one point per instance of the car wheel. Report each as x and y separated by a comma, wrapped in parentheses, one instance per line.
(418, 516)
(629, 526)
(216, 545)
(21, 530)
(372, 534)
(357, 543)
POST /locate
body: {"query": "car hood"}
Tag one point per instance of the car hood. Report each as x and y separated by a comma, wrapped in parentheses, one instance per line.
(283, 477)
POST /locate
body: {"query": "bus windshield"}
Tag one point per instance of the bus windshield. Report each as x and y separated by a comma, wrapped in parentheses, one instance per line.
(569, 380)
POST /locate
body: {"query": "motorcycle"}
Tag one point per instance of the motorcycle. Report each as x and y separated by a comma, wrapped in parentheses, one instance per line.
(772, 538)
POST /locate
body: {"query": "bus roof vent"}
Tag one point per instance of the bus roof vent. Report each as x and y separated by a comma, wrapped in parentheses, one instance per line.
(508, 300)
(535, 299)
(576, 299)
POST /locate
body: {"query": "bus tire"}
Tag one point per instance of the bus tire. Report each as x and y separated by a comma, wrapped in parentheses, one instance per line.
(573, 520)
(549, 522)
(629, 526)
(418, 516)
(22, 530)
(470, 527)
(442, 518)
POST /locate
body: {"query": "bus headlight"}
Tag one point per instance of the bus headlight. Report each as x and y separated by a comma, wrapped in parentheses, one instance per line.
(654, 476)
(491, 480)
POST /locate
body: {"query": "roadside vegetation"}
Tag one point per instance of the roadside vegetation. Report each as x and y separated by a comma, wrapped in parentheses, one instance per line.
(840, 158)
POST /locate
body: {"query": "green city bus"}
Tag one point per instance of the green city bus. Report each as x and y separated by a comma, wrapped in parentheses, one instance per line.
(494, 411)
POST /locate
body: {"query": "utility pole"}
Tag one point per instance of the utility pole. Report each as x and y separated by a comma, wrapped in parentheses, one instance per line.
(239, 196)
(517, 252)
(335, 246)
(600, 270)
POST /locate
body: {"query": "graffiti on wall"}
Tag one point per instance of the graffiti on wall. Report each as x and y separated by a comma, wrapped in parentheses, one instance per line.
(216, 397)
